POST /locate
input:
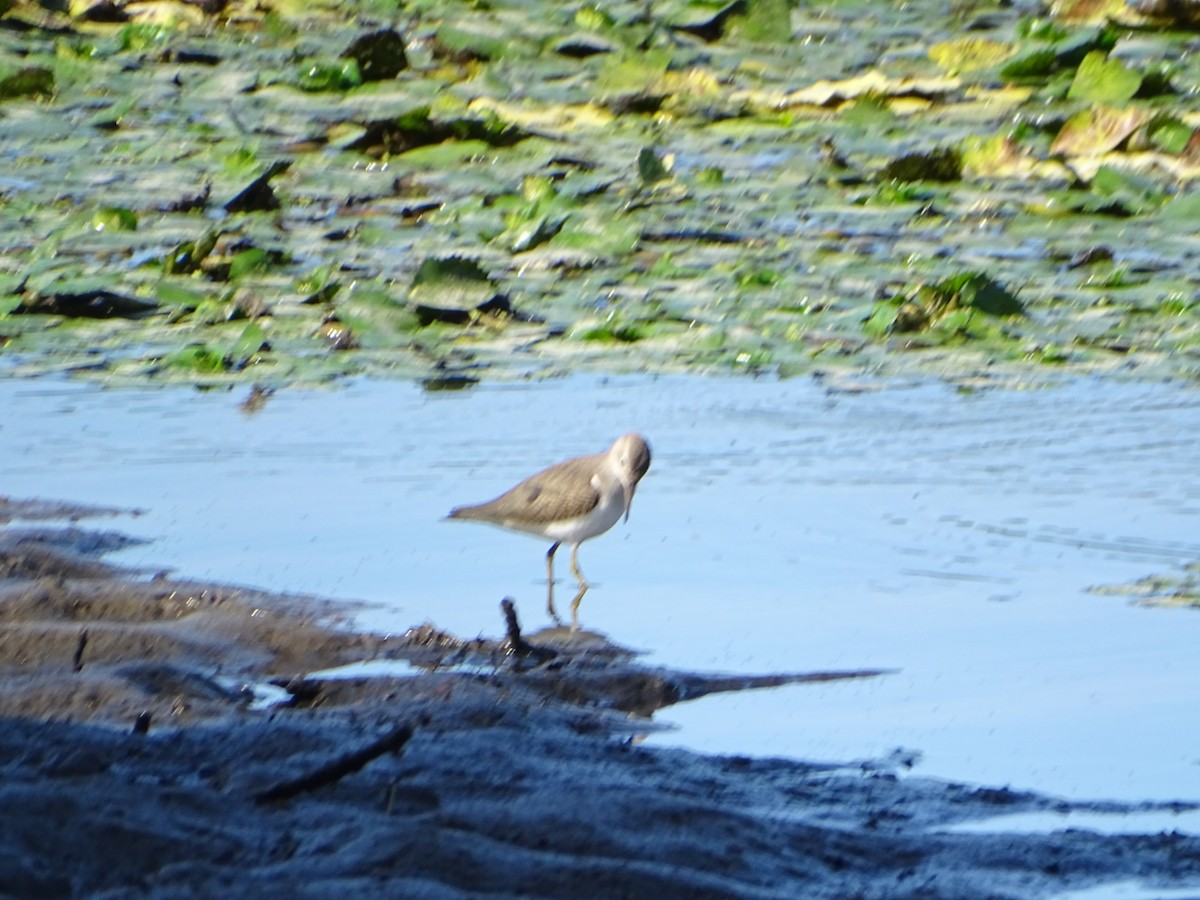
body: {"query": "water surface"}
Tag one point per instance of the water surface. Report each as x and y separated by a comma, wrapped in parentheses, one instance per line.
(784, 526)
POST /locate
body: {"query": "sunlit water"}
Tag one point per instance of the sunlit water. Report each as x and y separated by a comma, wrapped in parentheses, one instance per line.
(783, 527)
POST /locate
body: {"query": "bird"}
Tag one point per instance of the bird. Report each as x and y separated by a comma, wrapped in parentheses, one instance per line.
(568, 503)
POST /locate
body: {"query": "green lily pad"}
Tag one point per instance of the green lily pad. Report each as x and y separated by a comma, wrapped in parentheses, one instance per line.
(765, 22)
(329, 75)
(1169, 134)
(197, 358)
(32, 81)
(941, 164)
(249, 262)
(1136, 193)
(379, 55)
(949, 306)
(1102, 80)
(114, 218)
(969, 54)
(1064, 52)
(187, 257)
(453, 282)
(654, 167)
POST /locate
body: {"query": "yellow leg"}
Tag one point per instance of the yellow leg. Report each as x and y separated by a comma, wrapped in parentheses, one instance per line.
(550, 583)
(575, 568)
(583, 588)
(575, 608)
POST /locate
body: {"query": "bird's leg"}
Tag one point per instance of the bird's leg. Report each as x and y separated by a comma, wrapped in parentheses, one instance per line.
(550, 583)
(583, 588)
(575, 568)
(575, 608)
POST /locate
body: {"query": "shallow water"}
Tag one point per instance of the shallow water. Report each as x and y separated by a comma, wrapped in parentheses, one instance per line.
(783, 526)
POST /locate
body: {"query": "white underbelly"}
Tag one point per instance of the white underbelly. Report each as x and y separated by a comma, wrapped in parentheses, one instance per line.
(606, 514)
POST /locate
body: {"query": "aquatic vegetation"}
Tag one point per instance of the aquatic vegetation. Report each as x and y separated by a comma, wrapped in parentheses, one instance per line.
(1182, 589)
(514, 188)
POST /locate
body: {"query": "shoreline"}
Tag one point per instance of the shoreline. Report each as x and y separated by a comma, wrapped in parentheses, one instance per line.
(486, 769)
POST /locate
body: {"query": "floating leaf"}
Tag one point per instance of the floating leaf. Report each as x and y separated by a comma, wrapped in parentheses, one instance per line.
(969, 54)
(872, 84)
(177, 295)
(881, 320)
(319, 285)
(948, 306)
(329, 75)
(249, 344)
(1064, 54)
(32, 81)
(713, 27)
(997, 155)
(1168, 134)
(594, 18)
(110, 119)
(1035, 64)
(480, 42)
(616, 330)
(1135, 193)
(940, 164)
(765, 22)
(416, 128)
(258, 195)
(186, 258)
(143, 36)
(114, 218)
(654, 167)
(248, 262)
(979, 291)
(1183, 208)
(76, 300)
(197, 358)
(537, 232)
(451, 282)
(497, 308)
(1097, 131)
(379, 55)
(1102, 80)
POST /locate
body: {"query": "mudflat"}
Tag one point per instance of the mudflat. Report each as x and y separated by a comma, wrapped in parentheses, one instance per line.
(165, 738)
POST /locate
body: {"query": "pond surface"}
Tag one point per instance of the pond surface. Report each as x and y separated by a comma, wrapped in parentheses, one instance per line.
(784, 526)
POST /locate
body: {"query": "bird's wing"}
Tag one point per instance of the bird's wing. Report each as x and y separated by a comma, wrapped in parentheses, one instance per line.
(563, 491)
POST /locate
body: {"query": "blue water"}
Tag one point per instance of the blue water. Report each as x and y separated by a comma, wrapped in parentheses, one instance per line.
(784, 526)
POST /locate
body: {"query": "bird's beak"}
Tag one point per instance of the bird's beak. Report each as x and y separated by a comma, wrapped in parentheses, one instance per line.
(629, 489)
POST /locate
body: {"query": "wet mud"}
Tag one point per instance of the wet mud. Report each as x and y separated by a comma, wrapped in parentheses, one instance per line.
(169, 738)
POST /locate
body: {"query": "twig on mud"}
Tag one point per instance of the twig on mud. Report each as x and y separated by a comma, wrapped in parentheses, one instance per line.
(79, 648)
(338, 768)
(517, 644)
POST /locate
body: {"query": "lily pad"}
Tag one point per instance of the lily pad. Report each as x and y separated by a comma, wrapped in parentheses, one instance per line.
(417, 128)
(1102, 80)
(1169, 134)
(379, 55)
(455, 282)
(114, 218)
(941, 164)
(1093, 132)
(947, 305)
(31, 81)
(258, 196)
(969, 54)
(99, 303)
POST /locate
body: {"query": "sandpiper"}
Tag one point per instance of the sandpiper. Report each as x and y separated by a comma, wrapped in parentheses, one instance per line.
(569, 503)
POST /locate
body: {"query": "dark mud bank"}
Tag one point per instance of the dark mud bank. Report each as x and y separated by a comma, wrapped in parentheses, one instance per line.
(138, 758)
